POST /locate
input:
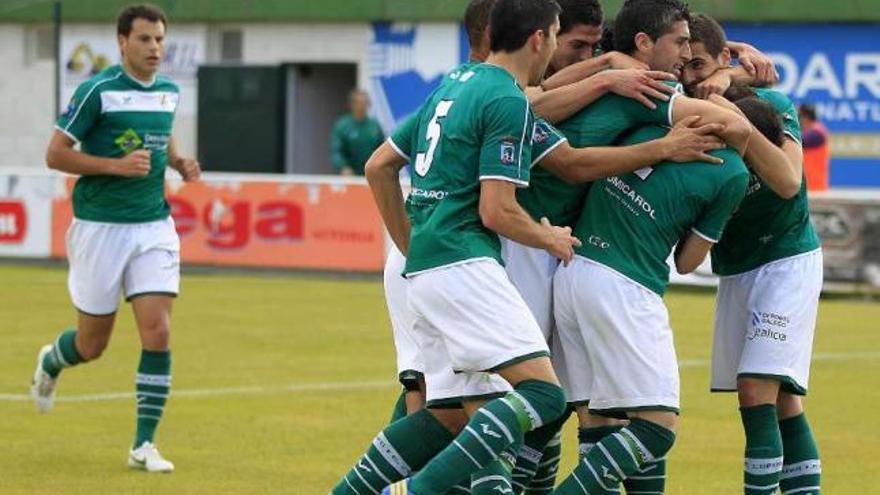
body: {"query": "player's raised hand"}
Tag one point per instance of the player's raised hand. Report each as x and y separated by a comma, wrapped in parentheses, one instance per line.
(756, 63)
(189, 169)
(620, 60)
(134, 164)
(641, 85)
(688, 141)
(562, 243)
(716, 84)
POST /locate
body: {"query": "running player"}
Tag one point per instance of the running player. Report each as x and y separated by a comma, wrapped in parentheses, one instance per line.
(122, 239)
(770, 263)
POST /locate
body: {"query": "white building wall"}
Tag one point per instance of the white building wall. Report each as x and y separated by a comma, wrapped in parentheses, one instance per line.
(27, 98)
(27, 89)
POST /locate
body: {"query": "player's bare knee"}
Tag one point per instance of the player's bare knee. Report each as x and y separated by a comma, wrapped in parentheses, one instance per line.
(156, 335)
(666, 419)
(756, 391)
(454, 420)
(788, 405)
(92, 348)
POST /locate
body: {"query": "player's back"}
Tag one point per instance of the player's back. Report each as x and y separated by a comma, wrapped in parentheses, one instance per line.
(767, 227)
(598, 124)
(631, 222)
(476, 125)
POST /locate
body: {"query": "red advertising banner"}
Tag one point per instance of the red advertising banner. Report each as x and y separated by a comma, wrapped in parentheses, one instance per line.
(261, 223)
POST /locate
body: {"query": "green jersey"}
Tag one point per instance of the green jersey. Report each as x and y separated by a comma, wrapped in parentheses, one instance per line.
(111, 115)
(599, 124)
(353, 141)
(477, 125)
(767, 227)
(631, 222)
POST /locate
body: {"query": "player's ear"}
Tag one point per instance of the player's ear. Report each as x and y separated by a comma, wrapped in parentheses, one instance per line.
(536, 41)
(644, 43)
(724, 57)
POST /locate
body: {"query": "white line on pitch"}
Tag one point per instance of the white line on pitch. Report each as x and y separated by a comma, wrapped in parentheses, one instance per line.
(359, 385)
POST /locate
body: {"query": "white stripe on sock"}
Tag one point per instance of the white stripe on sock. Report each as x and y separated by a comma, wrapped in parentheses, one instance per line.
(498, 423)
(482, 442)
(455, 442)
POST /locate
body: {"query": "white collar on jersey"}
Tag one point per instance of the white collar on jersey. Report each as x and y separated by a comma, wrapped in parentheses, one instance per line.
(142, 83)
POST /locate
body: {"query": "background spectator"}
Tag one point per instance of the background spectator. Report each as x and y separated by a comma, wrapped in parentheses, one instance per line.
(355, 136)
(817, 148)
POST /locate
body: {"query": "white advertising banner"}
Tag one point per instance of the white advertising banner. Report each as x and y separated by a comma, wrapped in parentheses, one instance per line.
(87, 49)
(26, 215)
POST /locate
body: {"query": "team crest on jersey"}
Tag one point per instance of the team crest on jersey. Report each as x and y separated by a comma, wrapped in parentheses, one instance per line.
(128, 141)
(71, 109)
(540, 135)
(508, 152)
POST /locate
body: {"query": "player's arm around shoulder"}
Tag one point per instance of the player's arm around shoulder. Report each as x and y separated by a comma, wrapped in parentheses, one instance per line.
(732, 182)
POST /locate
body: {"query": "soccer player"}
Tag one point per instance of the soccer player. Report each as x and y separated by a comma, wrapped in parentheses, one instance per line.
(355, 136)
(770, 263)
(122, 239)
(478, 133)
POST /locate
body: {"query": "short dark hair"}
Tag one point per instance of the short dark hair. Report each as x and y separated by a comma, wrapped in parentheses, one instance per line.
(476, 20)
(514, 21)
(763, 116)
(737, 92)
(576, 12)
(707, 31)
(807, 110)
(146, 11)
(606, 44)
(652, 17)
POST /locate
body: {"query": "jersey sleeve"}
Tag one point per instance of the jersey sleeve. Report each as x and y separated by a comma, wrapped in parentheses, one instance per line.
(791, 125)
(403, 137)
(545, 139)
(710, 225)
(82, 113)
(638, 114)
(506, 151)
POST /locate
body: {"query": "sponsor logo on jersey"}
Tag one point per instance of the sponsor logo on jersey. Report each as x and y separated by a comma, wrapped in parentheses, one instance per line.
(598, 242)
(158, 142)
(128, 141)
(428, 194)
(636, 201)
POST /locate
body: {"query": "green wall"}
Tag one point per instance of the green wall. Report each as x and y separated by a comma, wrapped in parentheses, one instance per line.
(362, 10)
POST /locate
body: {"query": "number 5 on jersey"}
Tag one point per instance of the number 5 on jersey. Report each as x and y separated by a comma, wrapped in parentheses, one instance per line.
(432, 137)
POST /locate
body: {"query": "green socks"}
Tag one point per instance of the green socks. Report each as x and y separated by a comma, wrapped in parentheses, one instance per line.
(801, 467)
(399, 410)
(650, 478)
(63, 354)
(494, 478)
(498, 425)
(152, 386)
(763, 456)
(401, 448)
(534, 451)
(544, 479)
(616, 457)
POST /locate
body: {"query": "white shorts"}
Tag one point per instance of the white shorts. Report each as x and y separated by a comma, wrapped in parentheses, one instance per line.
(410, 365)
(765, 320)
(469, 318)
(619, 349)
(108, 259)
(531, 271)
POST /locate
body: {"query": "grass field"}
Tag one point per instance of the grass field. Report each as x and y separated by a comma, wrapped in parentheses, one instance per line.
(280, 382)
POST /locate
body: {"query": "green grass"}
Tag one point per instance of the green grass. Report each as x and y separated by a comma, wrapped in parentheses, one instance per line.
(273, 331)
